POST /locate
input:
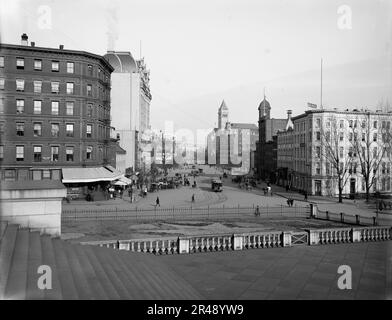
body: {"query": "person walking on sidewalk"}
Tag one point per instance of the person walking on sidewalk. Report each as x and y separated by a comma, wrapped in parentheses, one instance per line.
(193, 197)
(157, 202)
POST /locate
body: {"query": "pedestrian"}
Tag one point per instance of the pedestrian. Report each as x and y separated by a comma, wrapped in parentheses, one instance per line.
(305, 196)
(193, 197)
(257, 211)
(157, 202)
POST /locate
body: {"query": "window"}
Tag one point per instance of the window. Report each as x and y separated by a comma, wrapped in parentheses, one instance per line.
(1, 62)
(363, 124)
(38, 64)
(70, 108)
(20, 129)
(70, 67)
(69, 154)
(2, 83)
(37, 129)
(19, 85)
(350, 152)
(350, 137)
(318, 136)
(375, 152)
(37, 106)
(374, 136)
(89, 152)
(54, 152)
(55, 87)
(383, 125)
(37, 153)
(318, 123)
(89, 110)
(341, 152)
(89, 90)
(90, 70)
(88, 130)
(350, 123)
(55, 107)
(19, 153)
(327, 169)
(1, 152)
(70, 130)
(341, 136)
(45, 174)
(318, 169)
(363, 137)
(327, 136)
(318, 152)
(19, 63)
(375, 124)
(55, 66)
(55, 130)
(70, 88)
(19, 106)
(341, 124)
(37, 174)
(37, 86)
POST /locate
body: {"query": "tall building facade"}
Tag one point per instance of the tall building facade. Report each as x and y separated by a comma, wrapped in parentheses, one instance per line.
(225, 144)
(54, 111)
(320, 138)
(266, 153)
(131, 98)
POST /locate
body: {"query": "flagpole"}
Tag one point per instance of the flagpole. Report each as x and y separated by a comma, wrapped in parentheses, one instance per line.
(321, 88)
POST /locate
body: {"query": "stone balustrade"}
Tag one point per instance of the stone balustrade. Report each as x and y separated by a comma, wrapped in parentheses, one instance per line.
(269, 239)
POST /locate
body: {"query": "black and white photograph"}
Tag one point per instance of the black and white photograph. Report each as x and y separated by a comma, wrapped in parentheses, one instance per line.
(202, 153)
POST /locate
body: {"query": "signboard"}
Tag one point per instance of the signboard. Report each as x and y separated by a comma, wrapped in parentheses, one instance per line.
(312, 105)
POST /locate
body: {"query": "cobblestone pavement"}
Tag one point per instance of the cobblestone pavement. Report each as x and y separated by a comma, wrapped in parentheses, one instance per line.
(301, 272)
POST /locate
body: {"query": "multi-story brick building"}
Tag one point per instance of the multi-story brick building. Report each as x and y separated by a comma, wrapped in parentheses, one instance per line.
(54, 111)
(266, 146)
(325, 144)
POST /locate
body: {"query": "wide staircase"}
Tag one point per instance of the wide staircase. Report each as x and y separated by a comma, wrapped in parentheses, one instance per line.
(82, 271)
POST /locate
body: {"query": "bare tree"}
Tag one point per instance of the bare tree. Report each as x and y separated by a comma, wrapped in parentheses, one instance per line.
(369, 145)
(334, 153)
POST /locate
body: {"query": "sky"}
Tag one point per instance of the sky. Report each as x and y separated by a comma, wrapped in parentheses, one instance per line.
(201, 52)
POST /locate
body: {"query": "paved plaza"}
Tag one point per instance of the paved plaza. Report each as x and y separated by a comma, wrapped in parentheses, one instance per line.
(301, 272)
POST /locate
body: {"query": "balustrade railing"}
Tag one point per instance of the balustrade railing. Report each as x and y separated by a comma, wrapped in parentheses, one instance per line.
(253, 240)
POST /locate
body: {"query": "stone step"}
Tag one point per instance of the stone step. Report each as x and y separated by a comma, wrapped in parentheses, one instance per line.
(77, 270)
(17, 277)
(105, 280)
(143, 287)
(89, 274)
(34, 262)
(106, 261)
(49, 259)
(180, 289)
(7, 246)
(68, 287)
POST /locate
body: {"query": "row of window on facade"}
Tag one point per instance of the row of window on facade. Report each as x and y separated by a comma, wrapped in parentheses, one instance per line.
(55, 67)
(54, 86)
(103, 113)
(351, 123)
(26, 174)
(55, 129)
(54, 153)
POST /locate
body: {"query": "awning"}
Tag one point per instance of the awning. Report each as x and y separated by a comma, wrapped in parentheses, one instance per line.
(123, 181)
(85, 175)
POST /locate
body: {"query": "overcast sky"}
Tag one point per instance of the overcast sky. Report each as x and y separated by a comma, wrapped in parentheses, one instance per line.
(200, 52)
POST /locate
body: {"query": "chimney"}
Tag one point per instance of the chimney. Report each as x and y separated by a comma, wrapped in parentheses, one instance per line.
(24, 39)
(289, 112)
(32, 43)
(61, 46)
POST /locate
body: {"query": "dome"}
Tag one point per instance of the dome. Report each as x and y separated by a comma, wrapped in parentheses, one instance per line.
(122, 62)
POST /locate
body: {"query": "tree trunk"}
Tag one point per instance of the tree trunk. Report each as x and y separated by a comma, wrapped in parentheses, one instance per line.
(340, 191)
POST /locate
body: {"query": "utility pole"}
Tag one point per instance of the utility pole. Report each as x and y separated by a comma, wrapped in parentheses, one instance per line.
(321, 89)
